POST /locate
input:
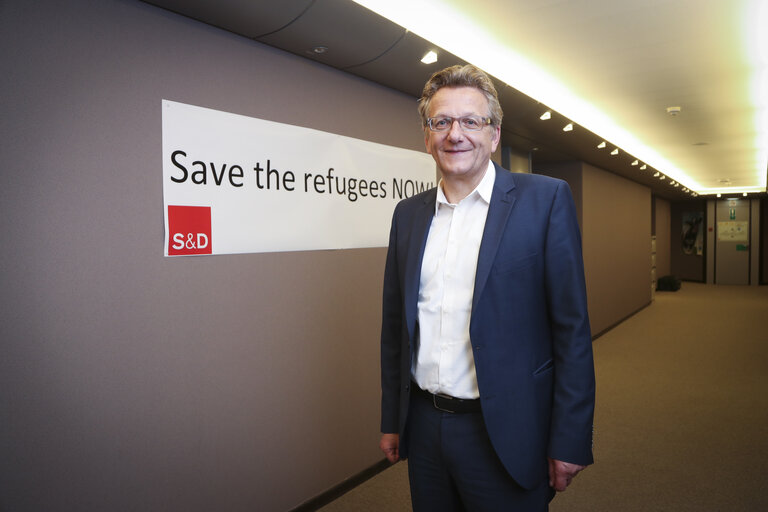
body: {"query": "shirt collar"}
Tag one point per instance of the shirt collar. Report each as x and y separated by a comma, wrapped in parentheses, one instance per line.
(484, 189)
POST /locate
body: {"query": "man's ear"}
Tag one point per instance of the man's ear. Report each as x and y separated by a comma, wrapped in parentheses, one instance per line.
(496, 138)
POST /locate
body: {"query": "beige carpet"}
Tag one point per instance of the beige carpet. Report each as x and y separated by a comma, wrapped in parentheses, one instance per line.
(682, 412)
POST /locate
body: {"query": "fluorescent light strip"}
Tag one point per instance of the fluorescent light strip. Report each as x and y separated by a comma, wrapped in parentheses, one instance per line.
(754, 21)
(730, 190)
(438, 21)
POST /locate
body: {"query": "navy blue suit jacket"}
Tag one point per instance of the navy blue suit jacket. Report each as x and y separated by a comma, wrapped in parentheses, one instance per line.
(529, 326)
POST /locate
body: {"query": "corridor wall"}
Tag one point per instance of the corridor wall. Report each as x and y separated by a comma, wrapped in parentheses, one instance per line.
(663, 236)
(130, 381)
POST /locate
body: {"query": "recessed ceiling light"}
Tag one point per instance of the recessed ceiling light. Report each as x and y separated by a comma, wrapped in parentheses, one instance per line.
(546, 115)
(429, 58)
(719, 195)
(601, 145)
(568, 127)
(643, 167)
(615, 152)
(635, 162)
(657, 174)
(319, 50)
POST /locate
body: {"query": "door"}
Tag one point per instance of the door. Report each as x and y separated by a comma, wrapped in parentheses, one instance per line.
(732, 242)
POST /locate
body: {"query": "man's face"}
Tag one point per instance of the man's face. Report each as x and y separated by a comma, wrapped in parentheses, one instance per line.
(461, 155)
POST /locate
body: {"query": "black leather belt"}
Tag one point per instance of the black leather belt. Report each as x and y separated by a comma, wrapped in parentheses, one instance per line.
(447, 403)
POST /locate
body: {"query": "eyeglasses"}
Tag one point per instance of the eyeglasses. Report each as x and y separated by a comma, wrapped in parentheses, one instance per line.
(467, 123)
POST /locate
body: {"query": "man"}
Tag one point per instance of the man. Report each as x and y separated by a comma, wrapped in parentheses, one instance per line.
(486, 356)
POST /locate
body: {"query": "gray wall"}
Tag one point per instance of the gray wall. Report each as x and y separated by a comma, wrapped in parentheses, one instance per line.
(763, 270)
(755, 238)
(663, 237)
(514, 160)
(617, 235)
(129, 381)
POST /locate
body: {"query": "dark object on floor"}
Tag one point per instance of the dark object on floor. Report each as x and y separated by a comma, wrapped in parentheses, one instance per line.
(668, 284)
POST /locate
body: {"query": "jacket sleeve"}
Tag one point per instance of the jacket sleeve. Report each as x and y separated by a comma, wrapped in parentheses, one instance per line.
(391, 330)
(574, 376)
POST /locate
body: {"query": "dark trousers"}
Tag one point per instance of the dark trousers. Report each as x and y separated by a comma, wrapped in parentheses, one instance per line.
(452, 466)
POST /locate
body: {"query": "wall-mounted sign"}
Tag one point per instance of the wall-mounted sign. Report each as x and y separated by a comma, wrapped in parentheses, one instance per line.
(733, 231)
(237, 184)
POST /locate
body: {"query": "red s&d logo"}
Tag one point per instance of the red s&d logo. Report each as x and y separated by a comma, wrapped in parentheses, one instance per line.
(190, 230)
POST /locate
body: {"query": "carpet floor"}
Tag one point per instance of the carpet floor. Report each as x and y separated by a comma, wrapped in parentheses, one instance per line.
(681, 422)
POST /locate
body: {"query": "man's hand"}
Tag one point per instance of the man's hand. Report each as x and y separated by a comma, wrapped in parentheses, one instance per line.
(561, 473)
(390, 444)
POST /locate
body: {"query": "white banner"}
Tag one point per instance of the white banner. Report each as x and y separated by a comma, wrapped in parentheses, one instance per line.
(236, 184)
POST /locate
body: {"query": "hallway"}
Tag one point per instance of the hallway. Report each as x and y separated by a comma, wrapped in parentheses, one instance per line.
(682, 412)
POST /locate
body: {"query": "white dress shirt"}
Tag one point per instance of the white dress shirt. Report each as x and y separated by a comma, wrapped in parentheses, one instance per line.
(443, 362)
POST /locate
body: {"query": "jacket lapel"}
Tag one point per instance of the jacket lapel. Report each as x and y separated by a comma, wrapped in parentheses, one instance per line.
(417, 241)
(502, 200)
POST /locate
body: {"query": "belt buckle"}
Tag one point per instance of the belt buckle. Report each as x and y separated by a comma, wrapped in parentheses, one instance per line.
(446, 397)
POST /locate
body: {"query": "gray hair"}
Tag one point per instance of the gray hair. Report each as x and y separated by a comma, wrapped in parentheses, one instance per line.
(461, 76)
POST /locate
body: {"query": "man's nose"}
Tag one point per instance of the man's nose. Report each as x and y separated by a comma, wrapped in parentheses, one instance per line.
(456, 132)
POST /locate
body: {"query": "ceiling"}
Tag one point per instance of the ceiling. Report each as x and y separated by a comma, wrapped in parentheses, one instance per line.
(625, 62)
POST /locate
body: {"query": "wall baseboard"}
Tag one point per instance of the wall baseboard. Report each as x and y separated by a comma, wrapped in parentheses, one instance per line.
(344, 487)
(595, 336)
